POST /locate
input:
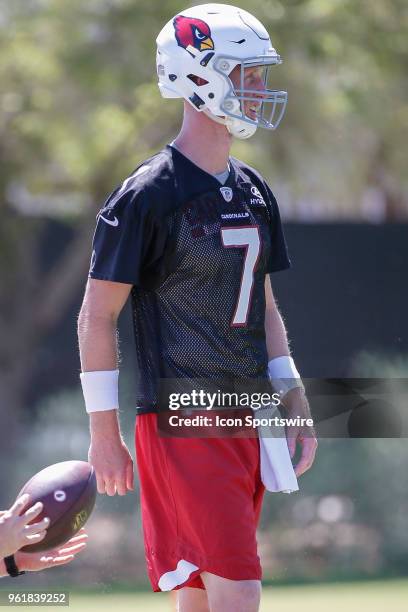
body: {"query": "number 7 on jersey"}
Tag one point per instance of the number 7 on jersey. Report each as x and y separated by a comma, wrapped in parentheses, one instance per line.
(246, 237)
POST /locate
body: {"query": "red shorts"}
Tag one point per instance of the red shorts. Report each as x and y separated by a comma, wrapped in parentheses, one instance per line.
(201, 501)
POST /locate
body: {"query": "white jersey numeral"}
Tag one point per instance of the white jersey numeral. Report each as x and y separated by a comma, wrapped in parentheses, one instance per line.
(248, 238)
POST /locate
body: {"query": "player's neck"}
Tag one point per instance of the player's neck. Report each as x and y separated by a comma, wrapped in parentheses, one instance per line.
(204, 142)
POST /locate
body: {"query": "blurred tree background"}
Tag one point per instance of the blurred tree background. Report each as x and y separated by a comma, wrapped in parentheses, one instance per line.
(79, 109)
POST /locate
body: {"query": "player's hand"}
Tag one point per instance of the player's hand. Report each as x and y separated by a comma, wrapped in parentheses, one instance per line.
(113, 465)
(296, 405)
(15, 531)
(110, 456)
(34, 562)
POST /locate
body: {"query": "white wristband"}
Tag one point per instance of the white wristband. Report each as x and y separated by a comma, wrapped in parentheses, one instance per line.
(284, 375)
(100, 390)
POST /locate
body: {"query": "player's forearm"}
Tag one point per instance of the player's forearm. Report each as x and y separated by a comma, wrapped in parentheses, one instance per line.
(98, 350)
(276, 337)
(104, 425)
(277, 346)
(97, 338)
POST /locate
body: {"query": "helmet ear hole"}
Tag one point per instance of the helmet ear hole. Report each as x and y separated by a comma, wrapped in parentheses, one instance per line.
(197, 80)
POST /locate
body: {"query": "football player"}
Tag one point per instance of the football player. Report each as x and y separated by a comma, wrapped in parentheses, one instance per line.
(193, 235)
(17, 530)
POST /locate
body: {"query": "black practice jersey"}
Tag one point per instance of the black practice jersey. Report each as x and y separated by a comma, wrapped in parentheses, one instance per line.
(196, 254)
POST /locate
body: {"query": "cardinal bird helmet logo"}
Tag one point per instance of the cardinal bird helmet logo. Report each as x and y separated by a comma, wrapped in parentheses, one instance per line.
(191, 32)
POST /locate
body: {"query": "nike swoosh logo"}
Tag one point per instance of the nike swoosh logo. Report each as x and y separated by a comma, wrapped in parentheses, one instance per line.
(114, 222)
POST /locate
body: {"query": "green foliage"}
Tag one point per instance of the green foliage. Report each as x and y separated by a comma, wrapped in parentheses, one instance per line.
(347, 116)
(79, 109)
(79, 96)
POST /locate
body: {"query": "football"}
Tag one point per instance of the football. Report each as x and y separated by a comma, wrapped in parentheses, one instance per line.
(68, 492)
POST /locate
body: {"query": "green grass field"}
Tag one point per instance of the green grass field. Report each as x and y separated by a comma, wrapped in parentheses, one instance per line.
(350, 597)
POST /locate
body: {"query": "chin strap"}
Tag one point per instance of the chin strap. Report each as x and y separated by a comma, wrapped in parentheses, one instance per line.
(216, 118)
(236, 127)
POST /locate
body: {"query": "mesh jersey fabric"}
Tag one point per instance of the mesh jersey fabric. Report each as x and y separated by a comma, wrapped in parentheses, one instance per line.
(196, 254)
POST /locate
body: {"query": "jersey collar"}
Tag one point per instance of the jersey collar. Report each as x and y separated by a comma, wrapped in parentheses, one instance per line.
(210, 179)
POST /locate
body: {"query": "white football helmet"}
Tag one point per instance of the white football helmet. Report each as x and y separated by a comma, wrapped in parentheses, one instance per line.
(196, 52)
